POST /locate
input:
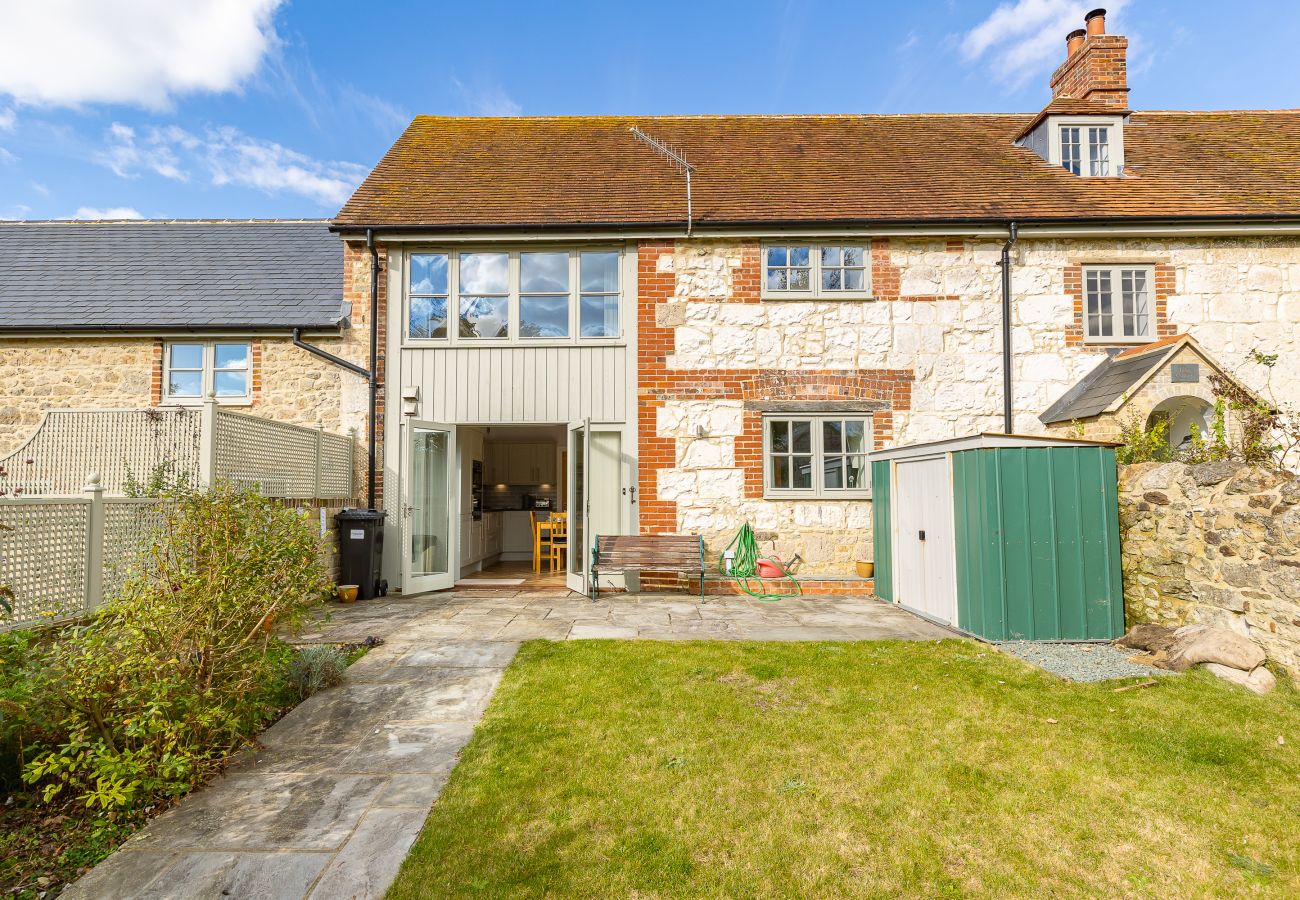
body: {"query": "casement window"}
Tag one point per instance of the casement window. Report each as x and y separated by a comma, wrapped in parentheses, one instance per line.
(528, 296)
(1085, 149)
(816, 270)
(192, 370)
(1117, 303)
(816, 456)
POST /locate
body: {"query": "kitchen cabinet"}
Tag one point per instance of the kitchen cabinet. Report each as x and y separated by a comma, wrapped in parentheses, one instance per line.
(497, 468)
(480, 539)
(520, 464)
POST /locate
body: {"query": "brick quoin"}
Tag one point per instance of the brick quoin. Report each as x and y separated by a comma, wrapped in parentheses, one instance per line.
(356, 292)
(1161, 291)
(657, 385)
(156, 376)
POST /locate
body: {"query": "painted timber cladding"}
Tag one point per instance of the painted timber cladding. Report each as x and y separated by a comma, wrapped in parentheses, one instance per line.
(881, 485)
(1038, 543)
(519, 384)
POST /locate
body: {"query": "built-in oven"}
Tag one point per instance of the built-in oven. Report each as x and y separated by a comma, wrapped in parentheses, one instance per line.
(476, 488)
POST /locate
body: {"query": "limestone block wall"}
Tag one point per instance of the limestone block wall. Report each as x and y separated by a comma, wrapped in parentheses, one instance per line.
(709, 343)
(1217, 544)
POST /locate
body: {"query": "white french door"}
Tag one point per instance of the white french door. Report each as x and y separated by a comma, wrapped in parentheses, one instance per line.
(430, 552)
(599, 501)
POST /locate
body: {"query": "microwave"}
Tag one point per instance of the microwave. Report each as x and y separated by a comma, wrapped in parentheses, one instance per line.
(541, 503)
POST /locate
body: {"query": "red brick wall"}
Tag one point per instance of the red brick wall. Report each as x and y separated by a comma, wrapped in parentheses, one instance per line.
(1097, 72)
(156, 376)
(1161, 290)
(356, 291)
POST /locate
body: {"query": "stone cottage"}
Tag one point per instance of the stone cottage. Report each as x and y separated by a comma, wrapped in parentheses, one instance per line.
(725, 313)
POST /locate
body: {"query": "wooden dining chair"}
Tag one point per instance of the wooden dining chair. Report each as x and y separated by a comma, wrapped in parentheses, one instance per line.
(559, 534)
(541, 540)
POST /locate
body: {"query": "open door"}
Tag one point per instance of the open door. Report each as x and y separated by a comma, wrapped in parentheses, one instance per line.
(599, 501)
(430, 555)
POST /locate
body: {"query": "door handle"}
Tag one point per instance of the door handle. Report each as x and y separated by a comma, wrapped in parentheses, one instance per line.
(921, 535)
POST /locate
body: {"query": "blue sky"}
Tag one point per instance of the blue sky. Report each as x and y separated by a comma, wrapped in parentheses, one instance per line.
(277, 108)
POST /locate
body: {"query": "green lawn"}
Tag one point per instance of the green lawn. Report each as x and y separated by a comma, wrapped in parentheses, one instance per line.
(646, 769)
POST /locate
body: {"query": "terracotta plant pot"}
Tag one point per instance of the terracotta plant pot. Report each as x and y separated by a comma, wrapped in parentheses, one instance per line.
(347, 593)
(866, 569)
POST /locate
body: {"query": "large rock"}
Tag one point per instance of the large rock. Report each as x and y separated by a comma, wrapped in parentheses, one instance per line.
(1195, 644)
(1152, 638)
(1261, 681)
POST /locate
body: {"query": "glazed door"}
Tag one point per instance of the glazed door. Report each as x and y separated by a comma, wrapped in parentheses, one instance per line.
(430, 555)
(579, 505)
(599, 496)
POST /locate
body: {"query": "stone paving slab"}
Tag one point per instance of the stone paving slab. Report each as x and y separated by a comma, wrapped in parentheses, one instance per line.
(330, 803)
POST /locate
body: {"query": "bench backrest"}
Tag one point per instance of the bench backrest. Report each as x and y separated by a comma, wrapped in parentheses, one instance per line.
(683, 552)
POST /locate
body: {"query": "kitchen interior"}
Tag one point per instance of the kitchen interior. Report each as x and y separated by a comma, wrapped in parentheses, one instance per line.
(507, 472)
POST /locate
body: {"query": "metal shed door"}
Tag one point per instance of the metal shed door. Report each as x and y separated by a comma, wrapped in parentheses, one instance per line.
(924, 550)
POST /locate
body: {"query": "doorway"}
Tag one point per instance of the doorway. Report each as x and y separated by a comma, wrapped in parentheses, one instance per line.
(924, 577)
(600, 497)
(428, 557)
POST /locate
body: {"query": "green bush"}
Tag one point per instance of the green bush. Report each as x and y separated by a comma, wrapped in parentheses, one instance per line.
(180, 668)
(313, 669)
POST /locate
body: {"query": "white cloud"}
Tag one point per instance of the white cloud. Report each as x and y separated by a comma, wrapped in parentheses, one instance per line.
(141, 52)
(486, 99)
(227, 156)
(112, 212)
(1024, 38)
(7, 119)
(7, 158)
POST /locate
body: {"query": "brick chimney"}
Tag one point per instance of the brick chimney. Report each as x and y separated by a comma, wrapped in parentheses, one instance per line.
(1095, 67)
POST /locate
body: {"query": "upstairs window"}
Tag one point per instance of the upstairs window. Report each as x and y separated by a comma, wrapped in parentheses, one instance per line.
(1117, 303)
(816, 456)
(815, 270)
(194, 370)
(524, 295)
(1085, 150)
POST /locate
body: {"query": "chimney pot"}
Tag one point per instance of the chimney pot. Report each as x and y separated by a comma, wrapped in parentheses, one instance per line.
(1073, 41)
(1096, 22)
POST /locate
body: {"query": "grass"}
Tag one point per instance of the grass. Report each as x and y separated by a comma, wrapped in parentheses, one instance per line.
(877, 769)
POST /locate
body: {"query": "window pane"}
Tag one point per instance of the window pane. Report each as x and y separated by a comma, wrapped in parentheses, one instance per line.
(853, 256)
(429, 273)
(231, 384)
(545, 317)
(600, 272)
(798, 279)
(855, 436)
(599, 317)
(186, 356)
(544, 273)
(428, 317)
(801, 436)
(831, 256)
(185, 384)
(833, 472)
(1098, 151)
(484, 317)
(777, 280)
(853, 280)
(801, 472)
(776, 256)
(484, 273)
(831, 441)
(1070, 149)
(232, 356)
(780, 437)
(799, 256)
(780, 471)
(856, 471)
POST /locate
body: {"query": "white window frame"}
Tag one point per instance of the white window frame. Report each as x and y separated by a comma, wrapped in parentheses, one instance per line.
(815, 290)
(208, 377)
(1117, 313)
(818, 491)
(1112, 125)
(514, 339)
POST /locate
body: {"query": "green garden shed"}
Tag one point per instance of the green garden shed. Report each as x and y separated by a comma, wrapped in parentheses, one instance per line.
(1007, 537)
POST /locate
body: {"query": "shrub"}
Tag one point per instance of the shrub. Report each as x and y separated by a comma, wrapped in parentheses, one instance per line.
(180, 667)
(313, 669)
(1142, 444)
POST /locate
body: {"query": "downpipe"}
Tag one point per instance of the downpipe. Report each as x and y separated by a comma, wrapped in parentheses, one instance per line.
(1008, 419)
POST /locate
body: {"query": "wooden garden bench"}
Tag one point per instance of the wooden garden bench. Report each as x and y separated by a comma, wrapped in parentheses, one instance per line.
(653, 552)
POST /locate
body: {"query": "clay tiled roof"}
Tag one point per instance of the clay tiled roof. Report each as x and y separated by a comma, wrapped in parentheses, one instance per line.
(528, 172)
(1069, 106)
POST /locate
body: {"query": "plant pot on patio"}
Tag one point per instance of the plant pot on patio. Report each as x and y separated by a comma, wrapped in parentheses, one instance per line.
(866, 569)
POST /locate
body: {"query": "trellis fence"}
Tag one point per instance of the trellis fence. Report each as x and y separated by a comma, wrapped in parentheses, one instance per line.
(61, 556)
(199, 446)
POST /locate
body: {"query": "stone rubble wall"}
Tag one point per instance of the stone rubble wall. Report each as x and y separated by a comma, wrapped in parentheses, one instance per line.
(938, 317)
(1214, 544)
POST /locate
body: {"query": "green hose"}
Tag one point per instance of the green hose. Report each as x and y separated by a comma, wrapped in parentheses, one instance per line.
(744, 566)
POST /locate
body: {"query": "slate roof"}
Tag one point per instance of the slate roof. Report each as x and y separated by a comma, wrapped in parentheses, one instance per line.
(160, 275)
(753, 170)
(1097, 390)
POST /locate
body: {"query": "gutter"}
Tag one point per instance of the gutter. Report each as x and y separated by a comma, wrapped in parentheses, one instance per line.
(1007, 413)
(369, 374)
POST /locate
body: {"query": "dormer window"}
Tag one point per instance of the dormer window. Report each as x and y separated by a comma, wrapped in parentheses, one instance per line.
(1085, 150)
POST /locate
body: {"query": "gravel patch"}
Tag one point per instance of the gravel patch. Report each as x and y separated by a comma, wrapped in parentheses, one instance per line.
(1080, 662)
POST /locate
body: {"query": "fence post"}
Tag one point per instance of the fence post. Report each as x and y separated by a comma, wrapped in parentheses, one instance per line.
(208, 442)
(320, 432)
(94, 490)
